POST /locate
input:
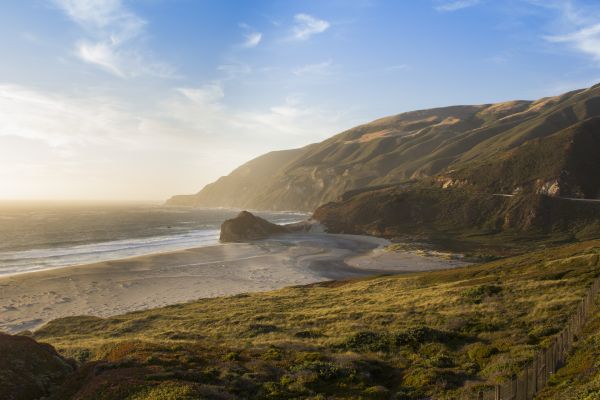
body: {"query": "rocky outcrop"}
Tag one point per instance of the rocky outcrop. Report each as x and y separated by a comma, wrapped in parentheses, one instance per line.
(246, 227)
(431, 211)
(28, 369)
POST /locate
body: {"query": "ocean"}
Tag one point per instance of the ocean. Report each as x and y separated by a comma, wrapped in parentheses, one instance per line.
(42, 236)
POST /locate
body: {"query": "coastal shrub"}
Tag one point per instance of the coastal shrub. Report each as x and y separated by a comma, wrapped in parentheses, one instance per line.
(309, 356)
(477, 294)
(376, 393)
(420, 377)
(272, 353)
(541, 331)
(308, 334)
(475, 325)
(419, 335)
(441, 360)
(260, 329)
(368, 341)
(386, 342)
(325, 370)
(232, 356)
(167, 391)
(480, 353)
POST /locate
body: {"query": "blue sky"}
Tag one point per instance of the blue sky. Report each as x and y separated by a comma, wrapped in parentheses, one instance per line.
(141, 99)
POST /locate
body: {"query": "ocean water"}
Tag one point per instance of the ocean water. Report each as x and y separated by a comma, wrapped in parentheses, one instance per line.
(42, 236)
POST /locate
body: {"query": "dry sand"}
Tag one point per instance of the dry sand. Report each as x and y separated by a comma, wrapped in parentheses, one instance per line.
(29, 300)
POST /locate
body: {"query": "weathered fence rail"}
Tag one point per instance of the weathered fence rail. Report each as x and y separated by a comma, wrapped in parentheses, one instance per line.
(535, 375)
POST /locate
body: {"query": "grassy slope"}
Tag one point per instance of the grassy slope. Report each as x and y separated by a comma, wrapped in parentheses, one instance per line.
(580, 377)
(404, 335)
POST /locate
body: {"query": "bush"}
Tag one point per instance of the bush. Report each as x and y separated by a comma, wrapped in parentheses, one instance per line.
(325, 370)
(476, 294)
(386, 342)
(480, 353)
(260, 329)
(368, 341)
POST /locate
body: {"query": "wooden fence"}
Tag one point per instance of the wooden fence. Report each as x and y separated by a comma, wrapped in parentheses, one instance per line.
(535, 375)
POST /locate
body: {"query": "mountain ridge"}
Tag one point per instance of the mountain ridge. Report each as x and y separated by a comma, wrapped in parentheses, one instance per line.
(445, 143)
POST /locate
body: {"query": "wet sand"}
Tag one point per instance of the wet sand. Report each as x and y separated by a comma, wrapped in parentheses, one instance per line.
(29, 300)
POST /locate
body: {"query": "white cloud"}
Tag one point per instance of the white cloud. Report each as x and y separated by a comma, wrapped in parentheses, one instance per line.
(581, 30)
(61, 121)
(252, 39)
(207, 95)
(96, 146)
(322, 68)
(114, 29)
(101, 54)
(307, 26)
(585, 40)
(455, 5)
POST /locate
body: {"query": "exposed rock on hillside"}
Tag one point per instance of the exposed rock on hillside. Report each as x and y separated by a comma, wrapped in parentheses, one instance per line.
(247, 226)
(430, 211)
(28, 369)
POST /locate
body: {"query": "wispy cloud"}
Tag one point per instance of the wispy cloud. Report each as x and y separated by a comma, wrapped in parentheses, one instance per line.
(397, 67)
(581, 32)
(585, 40)
(322, 68)
(447, 6)
(234, 70)
(307, 26)
(112, 31)
(60, 121)
(252, 39)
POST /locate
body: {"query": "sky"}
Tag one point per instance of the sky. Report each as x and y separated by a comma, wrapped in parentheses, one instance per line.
(142, 99)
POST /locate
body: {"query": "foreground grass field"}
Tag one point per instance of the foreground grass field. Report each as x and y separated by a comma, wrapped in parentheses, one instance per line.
(404, 337)
(579, 379)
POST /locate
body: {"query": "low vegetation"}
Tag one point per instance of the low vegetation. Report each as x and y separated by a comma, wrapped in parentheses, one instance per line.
(579, 379)
(400, 337)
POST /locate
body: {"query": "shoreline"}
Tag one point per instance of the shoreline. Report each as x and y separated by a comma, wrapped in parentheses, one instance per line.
(107, 288)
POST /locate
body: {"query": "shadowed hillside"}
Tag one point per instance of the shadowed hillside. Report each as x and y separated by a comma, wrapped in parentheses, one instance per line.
(547, 146)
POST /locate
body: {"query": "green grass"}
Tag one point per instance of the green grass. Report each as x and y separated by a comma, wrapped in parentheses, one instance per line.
(579, 379)
(403, 337)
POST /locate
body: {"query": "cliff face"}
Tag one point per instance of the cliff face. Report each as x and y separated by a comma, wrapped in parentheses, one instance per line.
(554, 142)
(426, 211)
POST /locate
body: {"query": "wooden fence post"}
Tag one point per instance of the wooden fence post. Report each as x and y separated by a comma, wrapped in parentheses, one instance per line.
(535, 373)
(526, 397)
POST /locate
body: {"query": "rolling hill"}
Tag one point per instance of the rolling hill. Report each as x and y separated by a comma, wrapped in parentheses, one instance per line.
(548, 146)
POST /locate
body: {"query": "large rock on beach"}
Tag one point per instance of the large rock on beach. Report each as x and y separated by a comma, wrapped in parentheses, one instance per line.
(246, 227)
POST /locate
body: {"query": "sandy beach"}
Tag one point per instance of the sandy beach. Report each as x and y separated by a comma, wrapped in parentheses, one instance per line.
(29, 300)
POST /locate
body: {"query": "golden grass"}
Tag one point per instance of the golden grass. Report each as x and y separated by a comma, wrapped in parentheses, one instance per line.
(434, 332)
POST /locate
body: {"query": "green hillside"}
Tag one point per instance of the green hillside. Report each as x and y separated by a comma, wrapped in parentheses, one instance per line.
(404, 337)
(553, 139)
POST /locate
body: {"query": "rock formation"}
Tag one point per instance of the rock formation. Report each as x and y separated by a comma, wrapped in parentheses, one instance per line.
(29, 370)
(247, 226)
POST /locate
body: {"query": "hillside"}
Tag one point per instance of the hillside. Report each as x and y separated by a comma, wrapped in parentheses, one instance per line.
(580, 377)
(547, 146)
(407, 337)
